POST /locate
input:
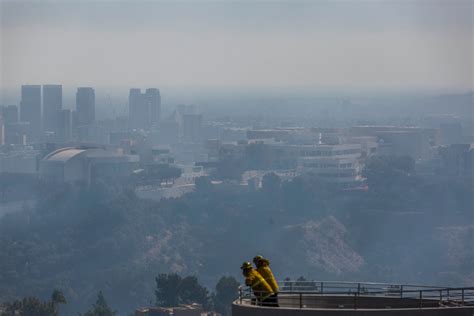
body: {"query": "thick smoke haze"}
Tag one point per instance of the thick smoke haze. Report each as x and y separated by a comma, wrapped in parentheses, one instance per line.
(340, 44)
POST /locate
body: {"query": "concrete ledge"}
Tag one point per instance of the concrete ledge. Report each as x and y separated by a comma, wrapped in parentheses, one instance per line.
(245, 310)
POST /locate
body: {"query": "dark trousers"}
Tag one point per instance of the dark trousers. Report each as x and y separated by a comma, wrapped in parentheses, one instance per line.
(271, 301)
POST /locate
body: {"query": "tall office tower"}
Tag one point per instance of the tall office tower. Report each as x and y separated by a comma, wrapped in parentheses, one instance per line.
(52, 105)
(138, 110)
(10, 114)
(144, 108)
(30, 109)
(153, 98)
(85, 106)
(64, 125)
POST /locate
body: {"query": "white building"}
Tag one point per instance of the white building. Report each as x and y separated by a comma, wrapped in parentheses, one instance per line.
(339, 164)
(86, 164)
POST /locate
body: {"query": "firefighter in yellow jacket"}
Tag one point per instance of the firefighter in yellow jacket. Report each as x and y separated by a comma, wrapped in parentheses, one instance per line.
(261, 289)
(263, 267)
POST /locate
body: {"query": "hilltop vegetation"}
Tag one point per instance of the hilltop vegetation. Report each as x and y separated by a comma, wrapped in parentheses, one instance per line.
(405, 228)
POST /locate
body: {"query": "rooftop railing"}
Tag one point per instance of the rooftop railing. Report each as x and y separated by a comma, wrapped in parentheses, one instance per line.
(354, 295)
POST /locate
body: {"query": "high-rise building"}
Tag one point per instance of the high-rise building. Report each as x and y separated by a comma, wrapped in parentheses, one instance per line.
(85, 106)
(64, 125)
(74, 123)
(30, 109)
(153, 98)
(10, 114)
(52, 105)
(144, 108)
(138, 112)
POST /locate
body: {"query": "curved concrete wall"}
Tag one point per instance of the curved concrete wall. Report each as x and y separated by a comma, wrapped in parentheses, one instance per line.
(249, 310)
(350, 302)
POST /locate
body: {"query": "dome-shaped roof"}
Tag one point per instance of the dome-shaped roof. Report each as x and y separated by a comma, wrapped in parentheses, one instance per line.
(64, 154)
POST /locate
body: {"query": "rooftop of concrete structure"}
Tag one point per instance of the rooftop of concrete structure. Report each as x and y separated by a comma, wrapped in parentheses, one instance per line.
(350, 298)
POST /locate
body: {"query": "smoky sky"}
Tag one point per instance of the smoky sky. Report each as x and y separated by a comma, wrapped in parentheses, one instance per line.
(383, 44)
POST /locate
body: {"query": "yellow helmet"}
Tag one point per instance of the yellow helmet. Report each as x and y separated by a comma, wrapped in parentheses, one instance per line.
(246, 265)
(256, 259)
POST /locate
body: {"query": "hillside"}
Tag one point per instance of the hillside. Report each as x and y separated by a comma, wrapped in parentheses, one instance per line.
(83, 240)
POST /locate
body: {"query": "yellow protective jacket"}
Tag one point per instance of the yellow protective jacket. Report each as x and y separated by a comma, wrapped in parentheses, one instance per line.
(260, 287)
(267, 274)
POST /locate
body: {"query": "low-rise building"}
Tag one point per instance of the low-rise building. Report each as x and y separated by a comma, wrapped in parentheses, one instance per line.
(19, 159)
(16, 133)
(339, 164)
(86, 164)
(400, 140)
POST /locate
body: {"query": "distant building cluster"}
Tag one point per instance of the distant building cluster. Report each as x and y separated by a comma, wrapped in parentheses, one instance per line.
(164, 152)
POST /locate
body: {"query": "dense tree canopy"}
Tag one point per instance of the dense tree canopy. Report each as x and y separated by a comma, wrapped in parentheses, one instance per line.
(225, 294)
(167, 291)
(32, 306)
(172, 290)
(100, 307)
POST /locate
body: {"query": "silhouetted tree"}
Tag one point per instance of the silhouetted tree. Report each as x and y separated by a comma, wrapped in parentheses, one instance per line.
(32, 306)
(57, 297)
(226, 292)
(172, 290)
(100, 308)
(190, 291)
(392, 182)
(203, 185)
(271, 183)
(167, 289)
(385, 170)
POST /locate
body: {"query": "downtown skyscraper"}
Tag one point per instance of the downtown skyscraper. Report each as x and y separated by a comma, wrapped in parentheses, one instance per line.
(52, 106)
(64, 130)
(144, 108)
(153, 98)
(30, 110)
(85, 106)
